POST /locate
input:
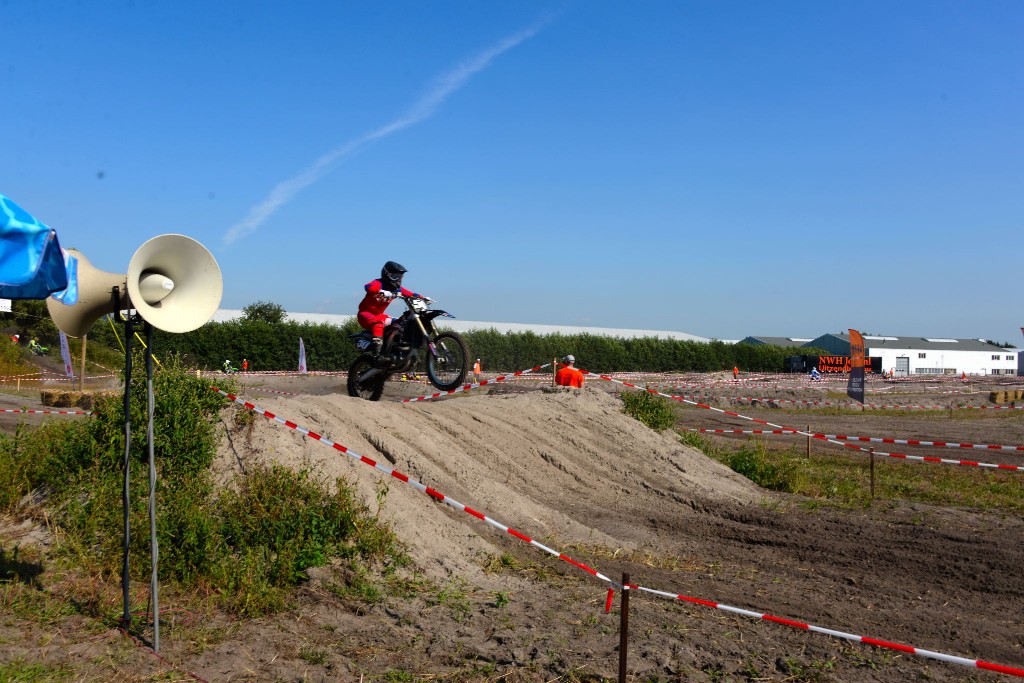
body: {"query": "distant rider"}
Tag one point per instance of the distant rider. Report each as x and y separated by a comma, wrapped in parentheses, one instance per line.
(379, 294)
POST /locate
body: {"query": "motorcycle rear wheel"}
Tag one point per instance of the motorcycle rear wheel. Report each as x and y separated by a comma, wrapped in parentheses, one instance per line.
(370, 389)
(447, 370)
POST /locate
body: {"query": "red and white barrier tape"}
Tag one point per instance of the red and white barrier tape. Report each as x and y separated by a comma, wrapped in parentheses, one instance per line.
(875, 406)
(47, 412)
(254, 373)
(844, 437)
(422, 488)
(467, 387)
(901, 456)
(260, 390)
(930, 654)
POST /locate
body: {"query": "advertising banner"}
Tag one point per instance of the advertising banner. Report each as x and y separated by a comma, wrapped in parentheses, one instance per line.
(65, 355)
(302, 357)
(855, 389)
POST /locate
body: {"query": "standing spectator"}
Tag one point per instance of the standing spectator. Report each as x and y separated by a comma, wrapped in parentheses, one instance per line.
(245, 365)
(569, 376)
(735, 372)
(476, 371)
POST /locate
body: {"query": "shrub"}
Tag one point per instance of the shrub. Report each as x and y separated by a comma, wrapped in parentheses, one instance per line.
(653, 411)
(280, 522)
(752, 463)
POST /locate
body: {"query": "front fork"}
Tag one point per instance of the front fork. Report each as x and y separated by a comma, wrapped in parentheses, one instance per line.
(427, 336)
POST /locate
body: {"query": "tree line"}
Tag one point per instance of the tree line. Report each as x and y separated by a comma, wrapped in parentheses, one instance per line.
(269, 341)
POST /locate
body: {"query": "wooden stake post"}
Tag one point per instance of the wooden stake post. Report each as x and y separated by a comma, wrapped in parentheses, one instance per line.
(624, 628)
(872, 474)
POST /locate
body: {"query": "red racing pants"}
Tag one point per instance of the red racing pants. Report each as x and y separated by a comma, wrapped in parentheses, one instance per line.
(374, 322)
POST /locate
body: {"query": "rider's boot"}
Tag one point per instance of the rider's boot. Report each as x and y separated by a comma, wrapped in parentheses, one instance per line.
(376, 345)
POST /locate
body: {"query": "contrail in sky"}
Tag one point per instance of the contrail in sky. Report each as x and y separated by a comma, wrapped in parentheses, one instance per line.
(423, 109)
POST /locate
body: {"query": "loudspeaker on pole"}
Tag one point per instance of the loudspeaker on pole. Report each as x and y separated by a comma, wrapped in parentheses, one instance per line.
(173, 282)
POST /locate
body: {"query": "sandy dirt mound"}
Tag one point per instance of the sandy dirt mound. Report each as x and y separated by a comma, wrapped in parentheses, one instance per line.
(553, 464)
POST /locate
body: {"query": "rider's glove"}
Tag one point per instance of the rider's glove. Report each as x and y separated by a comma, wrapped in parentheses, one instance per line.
(385, 294)
(426, 298)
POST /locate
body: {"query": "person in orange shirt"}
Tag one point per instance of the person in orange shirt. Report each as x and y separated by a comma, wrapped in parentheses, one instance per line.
(568, 376)
(476, 371)
(735, 372)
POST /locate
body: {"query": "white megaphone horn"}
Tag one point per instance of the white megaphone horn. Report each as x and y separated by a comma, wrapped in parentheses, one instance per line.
(172, 281)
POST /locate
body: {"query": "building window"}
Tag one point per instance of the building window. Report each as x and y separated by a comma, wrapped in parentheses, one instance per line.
(996, 357)
(920, 355)
(1009, 358)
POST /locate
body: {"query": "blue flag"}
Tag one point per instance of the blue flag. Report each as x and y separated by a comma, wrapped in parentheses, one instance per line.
(31, 263)
(69, 295)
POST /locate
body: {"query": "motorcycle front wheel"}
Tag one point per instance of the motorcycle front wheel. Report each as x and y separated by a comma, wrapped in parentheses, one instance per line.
(369, 389)
(447, 368)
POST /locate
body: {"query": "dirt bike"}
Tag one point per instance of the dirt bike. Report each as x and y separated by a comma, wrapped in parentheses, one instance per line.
(406, 340)
(38, 349)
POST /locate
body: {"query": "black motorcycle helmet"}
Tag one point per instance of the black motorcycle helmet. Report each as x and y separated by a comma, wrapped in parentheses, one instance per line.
(391, 276)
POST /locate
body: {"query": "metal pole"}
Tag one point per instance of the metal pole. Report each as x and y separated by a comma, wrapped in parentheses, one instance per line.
(154, 551)
(126, 617)
(623, 628)
(808, 442)
(81, 371)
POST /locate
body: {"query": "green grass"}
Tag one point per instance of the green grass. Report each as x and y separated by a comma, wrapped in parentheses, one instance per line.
(21, 671)
(843, 479)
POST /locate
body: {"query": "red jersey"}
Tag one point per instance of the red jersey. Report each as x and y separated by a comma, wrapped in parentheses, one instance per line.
(569, 377)
(373, 302)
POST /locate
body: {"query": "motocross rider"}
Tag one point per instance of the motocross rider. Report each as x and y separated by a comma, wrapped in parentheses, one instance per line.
(379, 294)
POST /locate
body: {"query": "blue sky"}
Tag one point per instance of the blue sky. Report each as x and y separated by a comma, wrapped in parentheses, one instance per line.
(717, 168)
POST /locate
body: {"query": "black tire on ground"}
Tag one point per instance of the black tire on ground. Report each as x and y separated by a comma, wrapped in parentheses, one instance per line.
(372, 388)
(448, 369)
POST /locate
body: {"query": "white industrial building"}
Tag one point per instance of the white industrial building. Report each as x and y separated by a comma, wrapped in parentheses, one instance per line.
(928, 355)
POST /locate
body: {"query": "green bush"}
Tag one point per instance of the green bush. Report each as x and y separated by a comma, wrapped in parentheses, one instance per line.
(277, 523)
(653, 411)
(291, 518)
(754, 464)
